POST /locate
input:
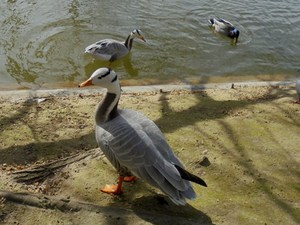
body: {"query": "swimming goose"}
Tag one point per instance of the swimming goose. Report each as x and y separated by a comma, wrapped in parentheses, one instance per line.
(111, 50)
(225, 27)
(135, 146)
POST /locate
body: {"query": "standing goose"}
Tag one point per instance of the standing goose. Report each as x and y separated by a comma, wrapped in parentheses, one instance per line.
(111, 50)
(135, 145)
(224, 27)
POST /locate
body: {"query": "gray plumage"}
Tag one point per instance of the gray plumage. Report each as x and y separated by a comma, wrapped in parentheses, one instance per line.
(225, 27)
(111, 50)
(298, 88)
(136, 146)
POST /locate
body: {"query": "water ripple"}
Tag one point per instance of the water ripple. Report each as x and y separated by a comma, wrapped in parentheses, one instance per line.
(42, 42)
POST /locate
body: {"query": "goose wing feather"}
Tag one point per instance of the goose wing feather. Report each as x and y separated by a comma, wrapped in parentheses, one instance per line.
(157, 137)
(103, 138)
(165, 186)
(222, 25)
(108, 48)
(224, 22)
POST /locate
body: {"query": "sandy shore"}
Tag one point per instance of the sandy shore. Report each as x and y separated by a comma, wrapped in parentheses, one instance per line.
(243, 139)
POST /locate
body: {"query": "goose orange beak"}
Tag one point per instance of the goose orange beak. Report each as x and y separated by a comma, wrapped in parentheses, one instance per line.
(142, 38)
(86, 83)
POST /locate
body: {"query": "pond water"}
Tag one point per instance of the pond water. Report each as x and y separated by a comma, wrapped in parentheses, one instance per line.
(42, 42)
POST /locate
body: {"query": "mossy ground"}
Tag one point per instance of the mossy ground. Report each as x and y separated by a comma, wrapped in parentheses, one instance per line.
(250, 136)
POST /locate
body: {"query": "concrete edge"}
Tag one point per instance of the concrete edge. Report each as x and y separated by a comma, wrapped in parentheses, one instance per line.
(43, 93)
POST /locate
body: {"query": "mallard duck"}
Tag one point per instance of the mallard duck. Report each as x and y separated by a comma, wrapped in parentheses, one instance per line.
(225, 27)
(111, 50)
(135, 146)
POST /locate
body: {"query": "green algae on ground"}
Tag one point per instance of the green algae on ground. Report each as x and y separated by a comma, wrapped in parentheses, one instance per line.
(250, 137)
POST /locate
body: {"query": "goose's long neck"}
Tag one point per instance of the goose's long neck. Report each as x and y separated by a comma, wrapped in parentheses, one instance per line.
(108, 108)
(128, 42)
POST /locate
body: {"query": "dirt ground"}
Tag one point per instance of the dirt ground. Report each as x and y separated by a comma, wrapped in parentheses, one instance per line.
(244, 142)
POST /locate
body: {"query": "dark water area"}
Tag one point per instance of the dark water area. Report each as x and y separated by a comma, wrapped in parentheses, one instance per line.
(42, 42)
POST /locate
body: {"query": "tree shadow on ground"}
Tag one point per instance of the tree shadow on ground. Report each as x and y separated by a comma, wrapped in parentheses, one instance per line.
(244, 159)
(37, 149)
(165, 212)
(158, 209)
(207, 108)
(34, 152)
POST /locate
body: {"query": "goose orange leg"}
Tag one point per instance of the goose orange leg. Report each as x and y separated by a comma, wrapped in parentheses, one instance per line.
(130, 178)
(114, 189)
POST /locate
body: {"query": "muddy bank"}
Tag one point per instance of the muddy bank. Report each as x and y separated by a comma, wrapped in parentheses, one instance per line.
(248, 136)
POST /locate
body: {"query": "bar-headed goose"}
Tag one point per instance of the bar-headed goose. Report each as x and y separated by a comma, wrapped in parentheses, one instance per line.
(224, 27)
(111, 50)
(135, 145)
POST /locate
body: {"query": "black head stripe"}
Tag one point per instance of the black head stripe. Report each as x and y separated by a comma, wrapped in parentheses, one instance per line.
(106, 74)
(115, 78)
(137, 30)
